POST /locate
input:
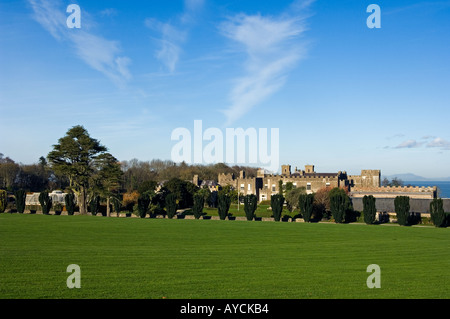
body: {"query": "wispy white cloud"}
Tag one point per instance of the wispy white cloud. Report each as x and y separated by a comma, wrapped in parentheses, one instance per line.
(436, 142)
(170, 42)
(192, 8)
(272, 50)
(99, 53)
(174, 34)
(409, 144)
(440, 143)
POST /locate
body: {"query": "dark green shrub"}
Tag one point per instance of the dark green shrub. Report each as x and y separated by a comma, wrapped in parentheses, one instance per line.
(250, 205)
(319, 211)
(197, 208)
(223, 205)
(117, 204)
(370, 210)
(401, 204)
(276, 202)
(46, 202)
(102, 209)
(21, 196)
(143, 204)
(69, 200)
(338, 205)
(94, 205)
(306, 204)
(437, 213)
(171, 205)
(414, 219)
(3, 200)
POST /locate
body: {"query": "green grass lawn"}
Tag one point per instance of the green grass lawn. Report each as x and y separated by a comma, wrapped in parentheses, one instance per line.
(156, 258)
(261, 211)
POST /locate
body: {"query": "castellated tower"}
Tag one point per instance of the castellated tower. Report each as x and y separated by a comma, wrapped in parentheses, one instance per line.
(309, 169)
(195, 180)
(371, 178)
(260, 173)
(286, 170)
(265, 185)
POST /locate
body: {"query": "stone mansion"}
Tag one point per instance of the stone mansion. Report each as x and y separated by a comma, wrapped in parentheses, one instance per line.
(368, 183)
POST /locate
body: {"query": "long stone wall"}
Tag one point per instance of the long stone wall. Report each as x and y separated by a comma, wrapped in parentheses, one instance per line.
(392, 192)
(387, 205)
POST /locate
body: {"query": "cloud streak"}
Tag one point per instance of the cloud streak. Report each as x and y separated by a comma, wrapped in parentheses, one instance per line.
(99, 53)
(439, 143)
(409, 144)
(174, 34)
(272, 50)
(436, 142)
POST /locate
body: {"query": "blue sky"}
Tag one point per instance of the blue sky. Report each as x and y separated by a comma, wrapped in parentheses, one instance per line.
(344, 97)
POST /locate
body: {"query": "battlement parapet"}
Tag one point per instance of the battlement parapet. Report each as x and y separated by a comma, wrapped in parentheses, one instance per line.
(410, 189)
(298, 177)
(394, 191)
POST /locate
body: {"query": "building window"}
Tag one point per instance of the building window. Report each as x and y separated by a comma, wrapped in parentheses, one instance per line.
(308, 186)
(249, 187)
(242, 187)
(273, 188)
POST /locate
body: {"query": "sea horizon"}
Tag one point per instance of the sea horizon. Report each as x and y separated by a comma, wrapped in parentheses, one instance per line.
(443, 186)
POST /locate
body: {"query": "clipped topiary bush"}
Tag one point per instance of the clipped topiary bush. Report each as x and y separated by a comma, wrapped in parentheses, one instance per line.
(306, 204)
(437, 213)
(46, 202)
(370, 210)
(223, 206)
(338, 206)
(171, 205)
(117, 204)
(276, 202)
(3, 200)
(21, 196)
(69, 200)
(94, 205)
(142, 205)
(402, 207)
(197, 208)
(250, 205)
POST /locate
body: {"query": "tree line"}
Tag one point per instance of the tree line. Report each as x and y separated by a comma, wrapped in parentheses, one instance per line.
(81, 165)
(42, 175)
(84, 168)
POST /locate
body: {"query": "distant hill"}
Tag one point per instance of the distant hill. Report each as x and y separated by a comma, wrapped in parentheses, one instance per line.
(409, 177)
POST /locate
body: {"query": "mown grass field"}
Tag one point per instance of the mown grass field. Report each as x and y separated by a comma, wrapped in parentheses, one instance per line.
(261, 211)
(212, 259)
